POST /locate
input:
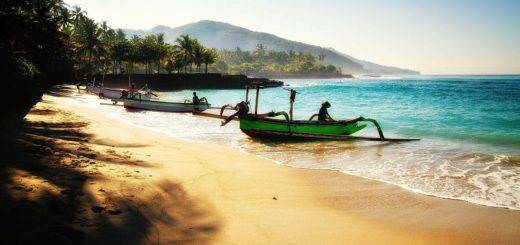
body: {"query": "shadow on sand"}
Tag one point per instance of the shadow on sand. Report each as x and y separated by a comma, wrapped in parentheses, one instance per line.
(45, 171)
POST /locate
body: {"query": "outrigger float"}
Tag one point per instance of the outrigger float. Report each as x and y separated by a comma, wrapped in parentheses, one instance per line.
(266, 126)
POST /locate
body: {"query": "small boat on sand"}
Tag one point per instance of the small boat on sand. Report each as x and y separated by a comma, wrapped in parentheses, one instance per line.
(157, 105)
(113, 93)
(266, 126)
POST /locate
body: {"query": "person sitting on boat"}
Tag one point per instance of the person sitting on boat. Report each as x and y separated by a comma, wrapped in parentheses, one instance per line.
(196, 99)
(323, 115)
(132, 90)
(147, 90)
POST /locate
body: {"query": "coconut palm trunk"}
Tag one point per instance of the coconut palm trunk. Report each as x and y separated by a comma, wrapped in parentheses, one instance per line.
(89, 65)
(104, 73)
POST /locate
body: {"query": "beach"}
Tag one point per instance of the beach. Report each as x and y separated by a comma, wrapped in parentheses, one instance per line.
(126, 184)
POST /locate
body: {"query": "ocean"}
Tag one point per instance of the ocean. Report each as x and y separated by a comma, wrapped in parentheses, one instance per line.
(469, 128)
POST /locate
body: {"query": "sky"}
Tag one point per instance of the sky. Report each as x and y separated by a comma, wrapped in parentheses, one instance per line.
(433, 37)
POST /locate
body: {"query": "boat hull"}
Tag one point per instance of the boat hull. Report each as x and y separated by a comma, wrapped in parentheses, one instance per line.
(281, 129)
(112, 94)
(153, 105)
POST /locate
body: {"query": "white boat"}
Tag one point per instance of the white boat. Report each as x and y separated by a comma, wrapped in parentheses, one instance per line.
(114, 94)
(110, 93)
(157, 105)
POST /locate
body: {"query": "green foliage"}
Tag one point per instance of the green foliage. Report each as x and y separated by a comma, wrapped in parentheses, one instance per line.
(34, 47)
(209, 56)
(272, 61)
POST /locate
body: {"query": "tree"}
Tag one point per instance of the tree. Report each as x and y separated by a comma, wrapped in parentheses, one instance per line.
(77, 15)
(161, 50)
(174, 59)
(259, 51)
(180, 62)
(221, 66)
(35, 53)
(209, 56)
(185, 44)
(198, 55)
(147, 52)
(118, 52)
(263, 60)
(330, 68)
(120, 35)
(133, 55)
(89, 42)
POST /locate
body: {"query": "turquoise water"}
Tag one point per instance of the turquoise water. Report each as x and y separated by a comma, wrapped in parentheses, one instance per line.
(471, 109)
(469, 128)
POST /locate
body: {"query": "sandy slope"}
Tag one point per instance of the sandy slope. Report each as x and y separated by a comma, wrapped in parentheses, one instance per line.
(155, 189)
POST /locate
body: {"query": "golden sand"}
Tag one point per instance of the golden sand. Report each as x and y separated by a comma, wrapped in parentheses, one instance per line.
(167, 191)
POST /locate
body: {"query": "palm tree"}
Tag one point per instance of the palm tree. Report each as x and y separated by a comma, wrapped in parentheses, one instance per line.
(132, 55)
(104, 59)
(198, 53)
(161, 50)
(107, 38)
(118, 46)
(147, 52)
(169, 66)
(209, 56)
(179, 62)
(118, 52)
(89, 42)
(77, 15)
(120, 35)
(185, 44)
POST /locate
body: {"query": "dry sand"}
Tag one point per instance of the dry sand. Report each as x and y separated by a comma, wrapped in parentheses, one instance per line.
(118, 183)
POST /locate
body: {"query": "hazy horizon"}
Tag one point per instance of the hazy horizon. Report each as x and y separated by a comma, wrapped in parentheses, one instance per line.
(441, 38)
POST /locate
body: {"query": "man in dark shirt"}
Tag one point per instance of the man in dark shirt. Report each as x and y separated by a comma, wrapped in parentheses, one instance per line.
(196, 99)
(323, 115)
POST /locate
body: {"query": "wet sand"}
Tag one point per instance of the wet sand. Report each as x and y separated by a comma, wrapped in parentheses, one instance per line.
(107, 181)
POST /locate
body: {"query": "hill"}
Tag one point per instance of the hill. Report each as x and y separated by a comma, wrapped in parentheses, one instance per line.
(221, 35)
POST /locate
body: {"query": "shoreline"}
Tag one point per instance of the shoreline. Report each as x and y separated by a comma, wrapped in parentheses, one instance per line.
(244, 150)
(265, 202)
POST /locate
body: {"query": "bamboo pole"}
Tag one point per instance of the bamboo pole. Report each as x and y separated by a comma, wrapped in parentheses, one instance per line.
(256, 99)
(291, 100)
(247, 93)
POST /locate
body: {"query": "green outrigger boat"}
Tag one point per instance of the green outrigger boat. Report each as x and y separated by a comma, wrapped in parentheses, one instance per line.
(267, 126)
(262, 127)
